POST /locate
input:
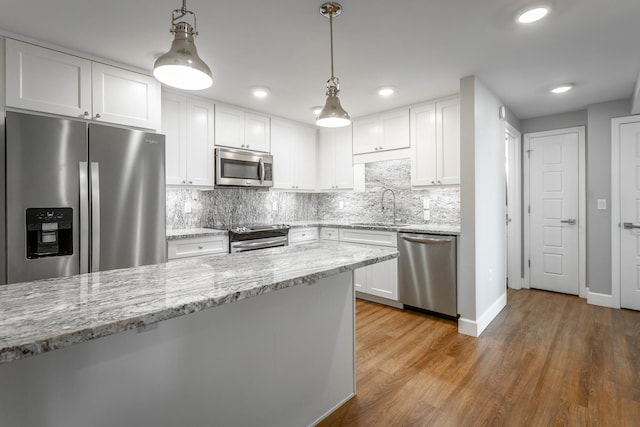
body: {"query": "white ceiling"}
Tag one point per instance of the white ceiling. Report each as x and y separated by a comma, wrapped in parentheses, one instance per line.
(422, 47)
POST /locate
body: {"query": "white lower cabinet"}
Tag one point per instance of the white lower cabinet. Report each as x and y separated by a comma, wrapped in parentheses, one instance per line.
(379, 279)
(197, 246)
(303, 235)
(327, 233)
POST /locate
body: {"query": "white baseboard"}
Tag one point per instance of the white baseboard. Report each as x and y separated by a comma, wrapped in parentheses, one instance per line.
(475, 327)
(603, 300)
(379, 300)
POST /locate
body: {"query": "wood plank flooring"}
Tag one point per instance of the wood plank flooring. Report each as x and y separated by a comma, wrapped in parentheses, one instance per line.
(547, 360)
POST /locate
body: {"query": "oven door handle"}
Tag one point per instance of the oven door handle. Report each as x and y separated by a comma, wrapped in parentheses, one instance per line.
(263, 243)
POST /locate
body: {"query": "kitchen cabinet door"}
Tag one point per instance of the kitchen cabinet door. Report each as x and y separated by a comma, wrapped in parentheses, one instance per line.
(45, 80)
(282, 151)
(200, 147)
(257, 132)
(293, 147)
(239, 129)
(381, 132)
(383, 279)
(343, 175)
(305, 157)
(423, 145)
(229, 127)
(188, 124)
(174, 127)
(448, 139)
(435, 143)
(335, 159)
(125, 97)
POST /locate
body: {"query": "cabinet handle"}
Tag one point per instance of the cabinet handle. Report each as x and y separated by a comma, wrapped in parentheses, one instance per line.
(247, 145)
(98, 116)
(86, 114)
(190, 182)
(433, 182)
(303, 234)
(184, 182)
(200, 247)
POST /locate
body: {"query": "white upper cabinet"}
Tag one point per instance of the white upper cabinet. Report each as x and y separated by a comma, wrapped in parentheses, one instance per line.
(48, 81)
(125, 97)
(294, 150)
(336, 159)
(381, 132)
(435, 142)
(188, 124)
(45, 80)
(240, 129)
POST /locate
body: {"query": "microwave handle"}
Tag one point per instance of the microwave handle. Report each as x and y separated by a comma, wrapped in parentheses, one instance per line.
(261, 163)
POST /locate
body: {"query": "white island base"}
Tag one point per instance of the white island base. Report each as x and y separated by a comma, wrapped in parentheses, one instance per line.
(284, 358)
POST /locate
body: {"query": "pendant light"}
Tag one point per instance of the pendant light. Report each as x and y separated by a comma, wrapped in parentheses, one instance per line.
(181, 67)
(332, 115)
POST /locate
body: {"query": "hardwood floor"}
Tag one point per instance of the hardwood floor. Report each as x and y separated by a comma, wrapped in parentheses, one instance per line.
(547, 359)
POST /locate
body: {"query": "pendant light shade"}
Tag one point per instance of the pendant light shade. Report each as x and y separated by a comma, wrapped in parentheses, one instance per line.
(332, 115)
(181, 67)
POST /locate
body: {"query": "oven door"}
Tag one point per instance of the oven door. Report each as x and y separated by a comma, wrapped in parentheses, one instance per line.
(255, 244)
(243, 168)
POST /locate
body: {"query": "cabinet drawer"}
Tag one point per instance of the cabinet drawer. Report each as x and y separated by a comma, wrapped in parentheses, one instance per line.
(369, 237)
(303, 235)
(329, 234)
(211, 245)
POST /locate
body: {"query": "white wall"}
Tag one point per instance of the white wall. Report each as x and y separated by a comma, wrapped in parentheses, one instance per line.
(482, 198)
(555, 121)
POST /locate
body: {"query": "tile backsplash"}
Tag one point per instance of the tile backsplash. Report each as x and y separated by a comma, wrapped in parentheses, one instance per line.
(221, 207)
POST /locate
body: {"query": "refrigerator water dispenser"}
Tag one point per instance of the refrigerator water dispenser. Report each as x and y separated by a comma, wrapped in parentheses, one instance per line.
(49, 232)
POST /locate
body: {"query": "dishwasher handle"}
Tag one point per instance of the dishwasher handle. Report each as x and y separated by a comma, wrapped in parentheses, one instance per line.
(426, 241)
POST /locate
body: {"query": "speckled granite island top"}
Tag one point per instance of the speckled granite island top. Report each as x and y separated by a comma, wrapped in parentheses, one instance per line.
(40, 316)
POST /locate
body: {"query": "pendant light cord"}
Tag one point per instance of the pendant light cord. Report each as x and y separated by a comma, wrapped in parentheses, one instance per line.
(331, 38)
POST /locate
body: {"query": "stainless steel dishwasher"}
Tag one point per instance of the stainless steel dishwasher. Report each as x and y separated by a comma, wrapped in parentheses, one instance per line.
(427, 276)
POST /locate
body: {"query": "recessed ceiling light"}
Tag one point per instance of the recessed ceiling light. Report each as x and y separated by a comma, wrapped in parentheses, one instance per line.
(386, 91)
(316, 110)
(533, 14)
(260, 92)
(562, 88)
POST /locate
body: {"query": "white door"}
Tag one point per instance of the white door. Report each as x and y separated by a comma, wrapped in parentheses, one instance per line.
(630, 215)
(554, 208)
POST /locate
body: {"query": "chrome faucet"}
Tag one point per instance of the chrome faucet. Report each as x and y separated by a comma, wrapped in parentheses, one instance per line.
(394, 202)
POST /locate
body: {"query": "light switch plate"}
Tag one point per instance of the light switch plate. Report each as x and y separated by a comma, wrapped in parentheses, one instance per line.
(187, 207)
(274, 206)
(340, 204)
(427, 215)
(602, 204)
(426, 204)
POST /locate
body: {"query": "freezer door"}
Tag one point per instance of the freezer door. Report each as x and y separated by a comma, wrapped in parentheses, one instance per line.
(42, 171)
(127, 186)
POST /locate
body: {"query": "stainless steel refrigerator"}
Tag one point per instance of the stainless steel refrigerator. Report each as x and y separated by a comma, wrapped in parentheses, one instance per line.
(81, 197)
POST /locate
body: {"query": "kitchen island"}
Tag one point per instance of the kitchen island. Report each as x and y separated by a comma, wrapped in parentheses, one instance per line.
(202, 341)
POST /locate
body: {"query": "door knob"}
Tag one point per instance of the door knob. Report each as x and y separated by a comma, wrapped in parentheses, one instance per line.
(630, 226)
(570, 221)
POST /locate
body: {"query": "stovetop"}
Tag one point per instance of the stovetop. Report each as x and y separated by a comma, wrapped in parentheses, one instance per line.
(257, 228)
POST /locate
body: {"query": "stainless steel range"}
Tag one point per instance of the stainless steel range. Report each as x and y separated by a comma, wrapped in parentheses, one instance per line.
(252, 237)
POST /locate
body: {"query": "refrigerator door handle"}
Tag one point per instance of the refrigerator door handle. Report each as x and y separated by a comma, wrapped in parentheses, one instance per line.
(84, 217)
(95, 217)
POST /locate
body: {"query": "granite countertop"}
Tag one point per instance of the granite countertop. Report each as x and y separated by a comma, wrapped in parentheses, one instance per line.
(183, 233)
(413, 228)
(44, 315)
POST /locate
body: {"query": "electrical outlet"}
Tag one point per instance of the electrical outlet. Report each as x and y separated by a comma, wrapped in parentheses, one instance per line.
(340, 204)
(602, 204)
(274, 206)
(426, 204)
(187, 207)
(427, 215)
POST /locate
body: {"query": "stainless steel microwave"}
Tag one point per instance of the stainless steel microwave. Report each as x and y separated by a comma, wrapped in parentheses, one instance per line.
(240, 168)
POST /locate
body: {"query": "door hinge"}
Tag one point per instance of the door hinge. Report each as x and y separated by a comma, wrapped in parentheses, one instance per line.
(529, 209)
(529, 153)
(529, 263)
